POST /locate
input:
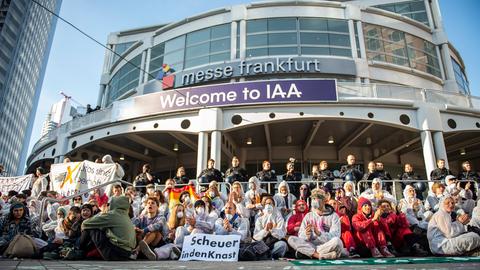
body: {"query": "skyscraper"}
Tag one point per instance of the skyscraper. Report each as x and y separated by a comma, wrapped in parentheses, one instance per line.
(26, 35)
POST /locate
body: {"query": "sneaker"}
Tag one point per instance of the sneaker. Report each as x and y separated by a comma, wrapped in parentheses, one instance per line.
(386, 253)
(175, 253)
(353, 254)
(376, 253)
(147, 251)
(133, 256)
(418, 251)
(332, 255)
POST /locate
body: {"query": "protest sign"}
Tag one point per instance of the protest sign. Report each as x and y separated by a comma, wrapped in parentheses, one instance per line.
(210, 247)
(73, 177)
(17, 183)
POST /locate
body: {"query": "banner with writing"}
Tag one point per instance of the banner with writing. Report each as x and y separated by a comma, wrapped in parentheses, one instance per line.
(210, 247)
(17, 183)
(73, 177)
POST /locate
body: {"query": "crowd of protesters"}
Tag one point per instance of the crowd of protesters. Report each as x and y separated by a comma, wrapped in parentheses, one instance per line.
(298, 220)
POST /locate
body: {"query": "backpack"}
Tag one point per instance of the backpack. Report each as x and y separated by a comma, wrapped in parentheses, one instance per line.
(255, 251)
(22, 246)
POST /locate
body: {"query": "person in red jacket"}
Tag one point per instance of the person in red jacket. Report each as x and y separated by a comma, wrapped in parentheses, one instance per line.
(368, 230)
(294, 222)
(397, 230)
(346, 236)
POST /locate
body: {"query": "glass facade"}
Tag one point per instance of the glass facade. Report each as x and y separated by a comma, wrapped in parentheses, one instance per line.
(460, 77)
(399, 48)
(413, 9)
(298, 36)
(121, 48)
(201, 47)
(126, 78)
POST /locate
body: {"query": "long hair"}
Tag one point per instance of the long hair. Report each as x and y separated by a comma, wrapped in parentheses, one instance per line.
(173, 221)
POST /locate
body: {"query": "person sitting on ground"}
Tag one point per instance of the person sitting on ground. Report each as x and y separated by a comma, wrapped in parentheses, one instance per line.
(200, 222)
(54, 216)
(441, 171)
(294, 222)
(413, 209)
(210, 210)
(150, 228)
(15, 222)
(231, 223)
(376, 193)
(252, 197)
(62, 232)
(162, 203)
(134, 199)
(346, 228)
(111, 234)
(117, 190)
(210, 173)
(284, 200)
(305, 194)
(172, 250)
(77, 201)
(397, 231)
(187, 202)
(86, 212)
(270, 228)
(237, 196)
(218, 199)
(432, 203)
(368, 230)
(319, 235)
(348, 202)
(169, 185)
(447, 237)
(99, 196)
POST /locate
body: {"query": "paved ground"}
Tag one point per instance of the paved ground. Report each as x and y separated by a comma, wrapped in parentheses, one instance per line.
(172, 265)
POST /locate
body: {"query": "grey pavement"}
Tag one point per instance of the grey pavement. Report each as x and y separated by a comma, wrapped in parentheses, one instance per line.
(172, 265)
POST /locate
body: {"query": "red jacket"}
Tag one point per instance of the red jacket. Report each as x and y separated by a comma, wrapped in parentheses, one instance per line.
(359, 221)
(296, 220)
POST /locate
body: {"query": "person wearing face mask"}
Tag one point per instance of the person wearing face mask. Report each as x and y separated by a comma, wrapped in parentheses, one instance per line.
(169, 185)
(397, 231)
(319, 234)
(368, 230)
(211, 211)
(187, 203)
(447, 237)
(305, 193)
(413, 209)
(175, 224)
(346, 227)
(218, 199)
(252, 197)
(294, 222)
(376, 192)
(270, 228)
(237, 196)
(231, 223)
(200, 222)
(284, 200)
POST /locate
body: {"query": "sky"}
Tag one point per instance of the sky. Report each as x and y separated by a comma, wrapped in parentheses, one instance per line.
(75, 62)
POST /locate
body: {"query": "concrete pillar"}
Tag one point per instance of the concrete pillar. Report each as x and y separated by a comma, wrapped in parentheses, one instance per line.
(439, 144)
(243, 38)
(233, 40)
(361, 40)
(202, 151)
(428, 152)
(429, 14)
(216, 148)
(353, 43)
(101, 93)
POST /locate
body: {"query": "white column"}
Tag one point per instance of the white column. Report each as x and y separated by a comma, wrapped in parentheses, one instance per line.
(437, 16)
(428, 152)
(361, 41)
(216, 148)
(202, 151)
(101, 93)
(353, 42)
(233, 40)
(147, 76)
(439, 144)
(429, 14)
(243, 38)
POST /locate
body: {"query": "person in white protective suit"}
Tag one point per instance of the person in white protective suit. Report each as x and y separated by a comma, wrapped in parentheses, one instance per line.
(413, 208)
(447, 237)
(284, 200)
(320, 231)
(376, 193)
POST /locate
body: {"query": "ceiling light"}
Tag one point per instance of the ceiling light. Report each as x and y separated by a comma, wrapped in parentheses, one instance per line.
(330, 139)
(369, 140)
(289, 139)
(175, 147)
(249, 141)
(122, 157)
(463, 152)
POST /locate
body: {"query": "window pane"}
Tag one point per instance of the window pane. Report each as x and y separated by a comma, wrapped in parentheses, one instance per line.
(313, 24)
(221, 31)
(175, 44)
(220, 45)
(282, 24)
(219, 57)
(174, 57)
(314, 38)
(197, 50)
(338, 26)
(196, 61)
(254, 26)
(339, 40)
(157, 50)
(283, 51)
(315, 50)
(341, 52)
(257, 52)
(282, 38)
(257, 40)
(198, 36)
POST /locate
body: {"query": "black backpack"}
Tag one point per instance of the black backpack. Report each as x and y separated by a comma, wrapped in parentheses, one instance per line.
(255, 251)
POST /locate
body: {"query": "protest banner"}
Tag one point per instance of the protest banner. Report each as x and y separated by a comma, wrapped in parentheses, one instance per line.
(210, 247)
(174, 195)
(70, 178)
(17, 183)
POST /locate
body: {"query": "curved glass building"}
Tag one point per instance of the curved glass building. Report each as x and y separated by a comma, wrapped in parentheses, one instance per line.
(313, 80)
